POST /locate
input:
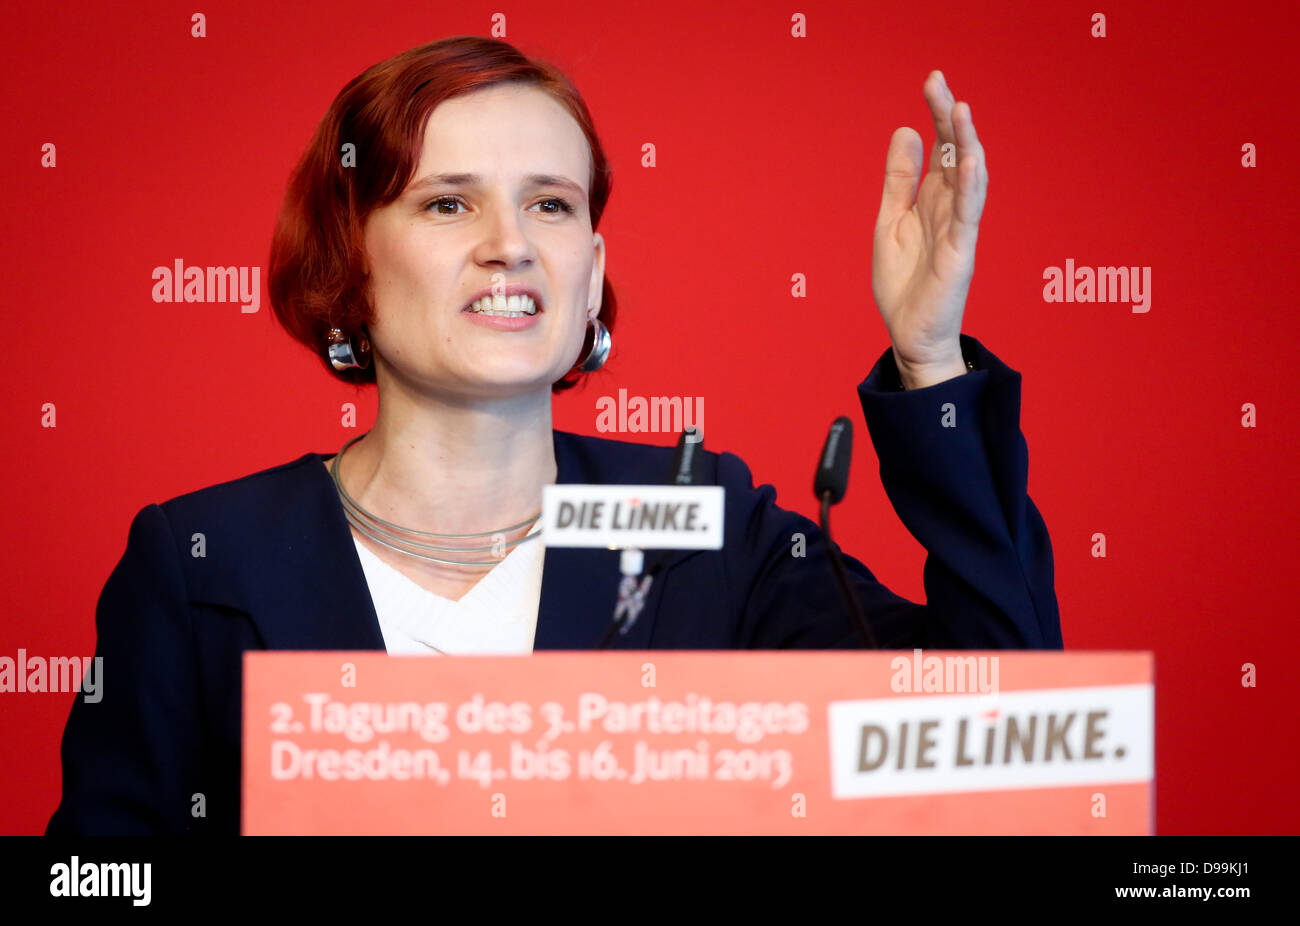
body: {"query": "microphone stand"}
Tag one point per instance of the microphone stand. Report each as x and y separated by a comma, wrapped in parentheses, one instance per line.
(842, 577)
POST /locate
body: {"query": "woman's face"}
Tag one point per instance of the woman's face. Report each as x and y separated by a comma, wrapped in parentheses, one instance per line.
(487, 207)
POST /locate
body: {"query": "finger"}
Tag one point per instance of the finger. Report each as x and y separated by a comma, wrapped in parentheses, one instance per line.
(972, 182)
(902, 175)
(941, 103)
(968, 141)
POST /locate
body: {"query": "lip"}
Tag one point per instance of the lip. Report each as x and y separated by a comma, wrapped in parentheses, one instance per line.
(503, 322)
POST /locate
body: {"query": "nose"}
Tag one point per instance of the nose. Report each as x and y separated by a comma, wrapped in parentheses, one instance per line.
(505, 240)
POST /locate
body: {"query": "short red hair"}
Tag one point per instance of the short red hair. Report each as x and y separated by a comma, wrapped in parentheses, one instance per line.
(316, 277)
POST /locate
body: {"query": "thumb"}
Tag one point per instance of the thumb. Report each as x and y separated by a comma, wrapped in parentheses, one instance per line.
(902, 175)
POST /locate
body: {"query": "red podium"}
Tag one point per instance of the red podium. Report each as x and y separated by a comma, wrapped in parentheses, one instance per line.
(672, 742)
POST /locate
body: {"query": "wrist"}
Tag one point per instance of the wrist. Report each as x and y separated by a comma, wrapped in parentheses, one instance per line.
(919, 376)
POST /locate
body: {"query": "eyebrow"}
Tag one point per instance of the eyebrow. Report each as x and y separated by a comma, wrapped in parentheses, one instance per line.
(530, 180)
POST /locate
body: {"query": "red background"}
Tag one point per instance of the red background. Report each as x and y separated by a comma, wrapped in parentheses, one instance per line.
(1117, 151)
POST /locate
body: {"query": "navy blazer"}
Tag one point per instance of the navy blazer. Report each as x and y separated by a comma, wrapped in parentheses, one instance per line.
(281, 572)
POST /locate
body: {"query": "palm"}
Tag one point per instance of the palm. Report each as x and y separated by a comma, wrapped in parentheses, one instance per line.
(923, 256)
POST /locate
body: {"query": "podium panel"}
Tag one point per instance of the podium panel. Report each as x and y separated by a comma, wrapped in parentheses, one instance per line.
(674, 742)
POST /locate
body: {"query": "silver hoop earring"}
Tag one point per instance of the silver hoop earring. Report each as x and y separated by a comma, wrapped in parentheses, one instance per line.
(601, 342)
(343, 356)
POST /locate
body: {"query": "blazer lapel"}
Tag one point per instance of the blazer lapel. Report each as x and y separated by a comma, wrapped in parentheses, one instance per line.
(347, 617)
(319, 599)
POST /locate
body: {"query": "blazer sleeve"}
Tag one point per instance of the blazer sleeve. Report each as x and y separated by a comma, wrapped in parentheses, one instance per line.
(130, 759)
(954, 465)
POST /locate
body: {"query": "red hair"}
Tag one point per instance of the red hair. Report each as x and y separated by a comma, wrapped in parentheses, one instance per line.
(316, 276)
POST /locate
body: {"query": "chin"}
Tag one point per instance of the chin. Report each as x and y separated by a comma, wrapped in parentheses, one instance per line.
(515, 382)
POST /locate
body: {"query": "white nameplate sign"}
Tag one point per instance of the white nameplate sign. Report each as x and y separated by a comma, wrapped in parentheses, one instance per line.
(642, 517)
(1049, 738)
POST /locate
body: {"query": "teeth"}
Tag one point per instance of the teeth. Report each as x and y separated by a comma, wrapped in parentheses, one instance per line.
(504, 306)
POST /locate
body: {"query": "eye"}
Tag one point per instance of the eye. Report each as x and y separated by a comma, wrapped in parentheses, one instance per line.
(564, 205)
(443, 199)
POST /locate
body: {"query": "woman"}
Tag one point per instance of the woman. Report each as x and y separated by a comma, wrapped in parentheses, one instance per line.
(438, 239)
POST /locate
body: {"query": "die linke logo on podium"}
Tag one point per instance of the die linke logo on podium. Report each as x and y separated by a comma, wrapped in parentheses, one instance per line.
(1025, 739)
(638, 516)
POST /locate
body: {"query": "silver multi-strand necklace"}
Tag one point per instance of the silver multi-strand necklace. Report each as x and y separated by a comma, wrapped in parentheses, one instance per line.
(373, 526)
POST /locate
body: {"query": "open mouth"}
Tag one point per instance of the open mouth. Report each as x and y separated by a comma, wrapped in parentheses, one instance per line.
(504, 306)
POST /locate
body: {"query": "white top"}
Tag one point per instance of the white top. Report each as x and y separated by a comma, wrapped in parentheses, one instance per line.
(497, 617)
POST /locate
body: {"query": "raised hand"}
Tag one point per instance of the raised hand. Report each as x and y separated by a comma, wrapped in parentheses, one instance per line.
(923, 254)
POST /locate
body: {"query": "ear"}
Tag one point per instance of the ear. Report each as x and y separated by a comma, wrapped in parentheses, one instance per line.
(596, 290)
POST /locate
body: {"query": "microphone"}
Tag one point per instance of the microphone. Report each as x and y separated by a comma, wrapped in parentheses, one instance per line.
(830, 483)
(685, 472)
(686, 469)
(833, 467)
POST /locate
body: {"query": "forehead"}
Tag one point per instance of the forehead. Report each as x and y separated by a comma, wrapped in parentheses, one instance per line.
(504, 131)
